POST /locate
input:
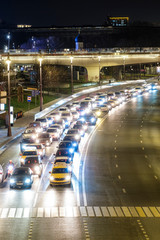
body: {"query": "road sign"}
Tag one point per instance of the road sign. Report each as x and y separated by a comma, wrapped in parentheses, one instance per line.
(35, 93)
(29, 98)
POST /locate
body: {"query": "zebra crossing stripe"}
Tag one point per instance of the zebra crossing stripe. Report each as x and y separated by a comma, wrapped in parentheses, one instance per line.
(82, 211)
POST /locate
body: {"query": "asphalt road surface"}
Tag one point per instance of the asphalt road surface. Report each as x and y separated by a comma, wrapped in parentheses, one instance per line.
(115, 188)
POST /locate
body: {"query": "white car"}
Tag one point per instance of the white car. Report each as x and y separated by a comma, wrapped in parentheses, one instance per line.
(30, 133)
(74, 133)
(58, 126)
(75, 115)
(67, 117)
(1, 174)
(64, 159)
(104, 108)
(39, 147)
(44, 121)
(54, 132)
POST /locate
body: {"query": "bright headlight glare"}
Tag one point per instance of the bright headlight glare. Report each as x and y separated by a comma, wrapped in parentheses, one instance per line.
(27, 180)
(37, 141)
(36, 168)
(92, 119)
(71, 150)
(77, 136)
(68, 178)
(51, 178)
(12, 181)
(70, 168)
(33, 136)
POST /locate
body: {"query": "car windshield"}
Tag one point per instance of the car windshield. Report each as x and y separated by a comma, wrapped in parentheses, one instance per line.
(64, 144)
(34, 124)
(55, 126)
(26, 153)
(29, 131)
(62, 160)
(60, 170)
(72, 131)
(41, 120)
(52, 130)
(43, 135)
(65, 114)
(84, 103)
(20, 171)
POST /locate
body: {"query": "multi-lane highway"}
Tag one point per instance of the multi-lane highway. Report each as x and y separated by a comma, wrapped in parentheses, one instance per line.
(115, 187)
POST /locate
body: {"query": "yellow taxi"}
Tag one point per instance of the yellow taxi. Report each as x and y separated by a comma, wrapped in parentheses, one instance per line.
(60, 174)
(27, 153)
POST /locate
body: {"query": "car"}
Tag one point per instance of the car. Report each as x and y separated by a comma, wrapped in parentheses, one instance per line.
(36, 146)
(44, 138)
(37, 125)
(30, 133)
(25, 142)
(66, 160)
(80, 128)
(83, 124)
(50, 120)
(58, 126)
(55, 115)
(34, 163)
(89, 118)
(60, 175)
(75, 133)
(75, 115)
(67, 117)
(76, 104)
(44, 121)
(60, 122)
(104, 108)
(85, 105)
(2, 175)
(70, 107)
(64, 152)
(26, 153)
(67, 144)
(21, 177)
(110, 95)
(73, 140)
(54, 132)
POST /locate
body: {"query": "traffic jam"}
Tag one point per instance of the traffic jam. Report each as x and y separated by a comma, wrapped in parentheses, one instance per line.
(67, 125)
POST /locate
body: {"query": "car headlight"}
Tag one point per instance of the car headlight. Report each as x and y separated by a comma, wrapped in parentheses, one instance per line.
(57, 117)
(82, 119)
(37, 141)
(12, 181)
(56, 134)
(74, 144)
(47, 143)
(38, 130)
(68, 178)
(77, 137)
(82, 132)
(40, 152)
(93, 119)
(22, 160)
(37, 170)
(69, 169)
(51, 178)
(34, 136)
(98, 113)
(27, 180)
(71, 150)
(85, 127)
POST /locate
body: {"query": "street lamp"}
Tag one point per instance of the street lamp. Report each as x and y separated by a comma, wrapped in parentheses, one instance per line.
(71, 58)
(124, 68)
(40, 59)
(99, 60)
(8, 62)
(8, 37)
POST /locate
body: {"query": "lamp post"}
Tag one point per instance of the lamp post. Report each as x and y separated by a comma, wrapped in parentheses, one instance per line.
(71, 58)
(99, 60)
(124, 68)
(8, 37)
(41, 97)
(8, 62)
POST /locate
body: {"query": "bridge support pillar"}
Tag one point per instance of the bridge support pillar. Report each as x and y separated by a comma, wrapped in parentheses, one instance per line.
(93, 73)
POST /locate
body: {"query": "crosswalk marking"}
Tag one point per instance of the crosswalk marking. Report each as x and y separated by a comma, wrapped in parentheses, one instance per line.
(81, 211)
(147, 212)
(140, 211)
(97, 212)
(105, 211)
(155, 212)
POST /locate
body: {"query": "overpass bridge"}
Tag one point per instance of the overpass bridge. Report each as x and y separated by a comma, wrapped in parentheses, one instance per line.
(93, 61)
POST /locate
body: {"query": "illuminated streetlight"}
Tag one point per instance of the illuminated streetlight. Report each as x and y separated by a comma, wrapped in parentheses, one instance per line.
(71, 58)
(99, 60)
(8, 62)
(8, 37)
(40, 59)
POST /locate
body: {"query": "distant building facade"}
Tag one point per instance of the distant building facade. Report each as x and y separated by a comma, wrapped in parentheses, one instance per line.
(117, 21)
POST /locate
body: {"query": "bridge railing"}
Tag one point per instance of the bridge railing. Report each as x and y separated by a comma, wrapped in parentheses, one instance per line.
(84, 51)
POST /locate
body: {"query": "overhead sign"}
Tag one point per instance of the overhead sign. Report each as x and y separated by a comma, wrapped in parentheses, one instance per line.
(29, 98)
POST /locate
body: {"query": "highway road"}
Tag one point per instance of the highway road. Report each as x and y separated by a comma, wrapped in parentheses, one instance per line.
(115, 187)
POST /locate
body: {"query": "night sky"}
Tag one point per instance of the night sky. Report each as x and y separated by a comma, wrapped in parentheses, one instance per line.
(77, 13)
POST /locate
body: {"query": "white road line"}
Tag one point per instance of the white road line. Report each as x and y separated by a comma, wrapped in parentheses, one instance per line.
(124, 190)
(11, 213)
(19, 212)
(26, 213)
(40, 212)
(105, 211)
(47, 212)
(83, 212)
(98, 212)
(35, 200)
(54, 212)
(90, 211)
